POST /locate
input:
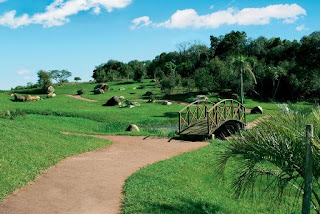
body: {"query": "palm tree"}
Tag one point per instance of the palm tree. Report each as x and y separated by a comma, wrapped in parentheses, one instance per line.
(275, 152)
(242, 65)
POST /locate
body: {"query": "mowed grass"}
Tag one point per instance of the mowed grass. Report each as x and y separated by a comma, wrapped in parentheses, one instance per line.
(32, 144)
(189, 183)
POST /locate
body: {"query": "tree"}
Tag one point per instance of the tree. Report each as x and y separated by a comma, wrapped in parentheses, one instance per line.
(60, 76)
(241, 65)
(139, 70)
(203, 79)
(44, 80)
(77, 79)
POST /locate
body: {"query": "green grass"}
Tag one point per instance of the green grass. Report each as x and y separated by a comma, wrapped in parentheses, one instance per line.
(189, 184)
(30, 145)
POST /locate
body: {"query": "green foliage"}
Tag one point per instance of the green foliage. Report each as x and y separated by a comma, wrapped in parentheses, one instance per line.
(139, 70)
(44, 80)
(77, 79)
(275, 151)
(13, 114)
(60, 76)
(203, 80)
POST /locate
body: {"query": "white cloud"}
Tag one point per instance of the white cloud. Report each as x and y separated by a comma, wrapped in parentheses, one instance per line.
(211, 7)
(57, 13)
(247, 16)
(301, 28)
(23, 71)
(140, 22)
(2, 1)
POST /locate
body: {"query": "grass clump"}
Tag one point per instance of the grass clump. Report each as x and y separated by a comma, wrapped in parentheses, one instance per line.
(13, 114)
(275, 152)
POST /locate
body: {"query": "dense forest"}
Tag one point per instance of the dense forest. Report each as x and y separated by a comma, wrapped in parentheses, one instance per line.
(273, 69)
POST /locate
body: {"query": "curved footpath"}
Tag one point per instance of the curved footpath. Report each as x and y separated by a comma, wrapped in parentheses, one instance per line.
(92, 182)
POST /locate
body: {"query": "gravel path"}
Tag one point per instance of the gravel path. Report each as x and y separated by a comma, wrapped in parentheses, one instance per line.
(92, 182)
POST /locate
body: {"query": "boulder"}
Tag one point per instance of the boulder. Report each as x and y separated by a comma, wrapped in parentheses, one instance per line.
(202, 97)
(30, 98)
(80, 92)
(122, 89)
(50, 90)
(257, 110)
(98, 91)
(102, 86)
(133, 128)
(51, 95)
(121, 98)
(136, 104)
(19, 98)
(131, 106)
(148, 93)
(113, 101)
(151, 101)
(167, 103)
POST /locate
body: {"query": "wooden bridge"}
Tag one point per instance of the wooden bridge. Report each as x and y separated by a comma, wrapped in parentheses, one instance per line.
(202, 119)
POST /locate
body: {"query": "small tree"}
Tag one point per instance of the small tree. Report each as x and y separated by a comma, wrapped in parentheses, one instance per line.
(60, 76)
(241, 65)
(77, 79)
(44, 80)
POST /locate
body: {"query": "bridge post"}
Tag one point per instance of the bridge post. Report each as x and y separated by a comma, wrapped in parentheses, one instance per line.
(198, 106)
(179, 122)
(208, 121)
(188, 112)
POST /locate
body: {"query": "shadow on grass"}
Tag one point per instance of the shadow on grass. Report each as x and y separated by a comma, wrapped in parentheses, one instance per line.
(186, 206)
(170, 115)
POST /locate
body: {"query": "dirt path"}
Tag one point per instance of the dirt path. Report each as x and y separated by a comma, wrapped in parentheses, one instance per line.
(257, 121)
(92, 182)
(81, 98)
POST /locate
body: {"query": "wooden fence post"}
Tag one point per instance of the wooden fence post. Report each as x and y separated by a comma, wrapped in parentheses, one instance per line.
(308, 172)
(188, 112)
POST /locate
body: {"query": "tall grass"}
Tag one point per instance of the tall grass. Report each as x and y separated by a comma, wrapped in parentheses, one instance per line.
(275, 151)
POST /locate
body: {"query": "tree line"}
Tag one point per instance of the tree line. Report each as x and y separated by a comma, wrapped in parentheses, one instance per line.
(280, 69)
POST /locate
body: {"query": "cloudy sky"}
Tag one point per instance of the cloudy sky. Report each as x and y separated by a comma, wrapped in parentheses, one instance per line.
(79, 34)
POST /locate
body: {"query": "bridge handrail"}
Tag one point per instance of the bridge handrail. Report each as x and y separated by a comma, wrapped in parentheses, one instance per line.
(215, 117)
(193, 103)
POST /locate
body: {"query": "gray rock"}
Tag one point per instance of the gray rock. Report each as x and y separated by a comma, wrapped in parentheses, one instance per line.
(121, 98)
(133, 128)
(113, 101)
(19, 98)
(167, 103)
(98, 91)
(202, 97)
(257, 110)
(122, 89)
(80, 92)
(50, 90)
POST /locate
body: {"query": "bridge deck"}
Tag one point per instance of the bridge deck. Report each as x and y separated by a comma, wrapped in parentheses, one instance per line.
(197, 129)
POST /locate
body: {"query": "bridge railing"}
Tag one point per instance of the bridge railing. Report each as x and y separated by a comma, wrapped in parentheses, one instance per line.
(223, 111)
(193, 113)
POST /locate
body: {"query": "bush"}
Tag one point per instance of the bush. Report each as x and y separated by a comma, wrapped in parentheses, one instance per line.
(12, 114)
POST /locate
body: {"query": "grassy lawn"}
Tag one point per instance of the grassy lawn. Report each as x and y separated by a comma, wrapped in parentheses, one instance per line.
(30, 145)
(189, 184)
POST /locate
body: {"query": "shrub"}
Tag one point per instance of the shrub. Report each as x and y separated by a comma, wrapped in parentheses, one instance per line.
(12, 114)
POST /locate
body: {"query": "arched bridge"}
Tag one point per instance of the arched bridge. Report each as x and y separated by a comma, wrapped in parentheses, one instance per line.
(203, 119)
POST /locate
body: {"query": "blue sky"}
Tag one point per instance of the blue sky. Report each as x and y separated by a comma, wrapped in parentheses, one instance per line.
(79, 34)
